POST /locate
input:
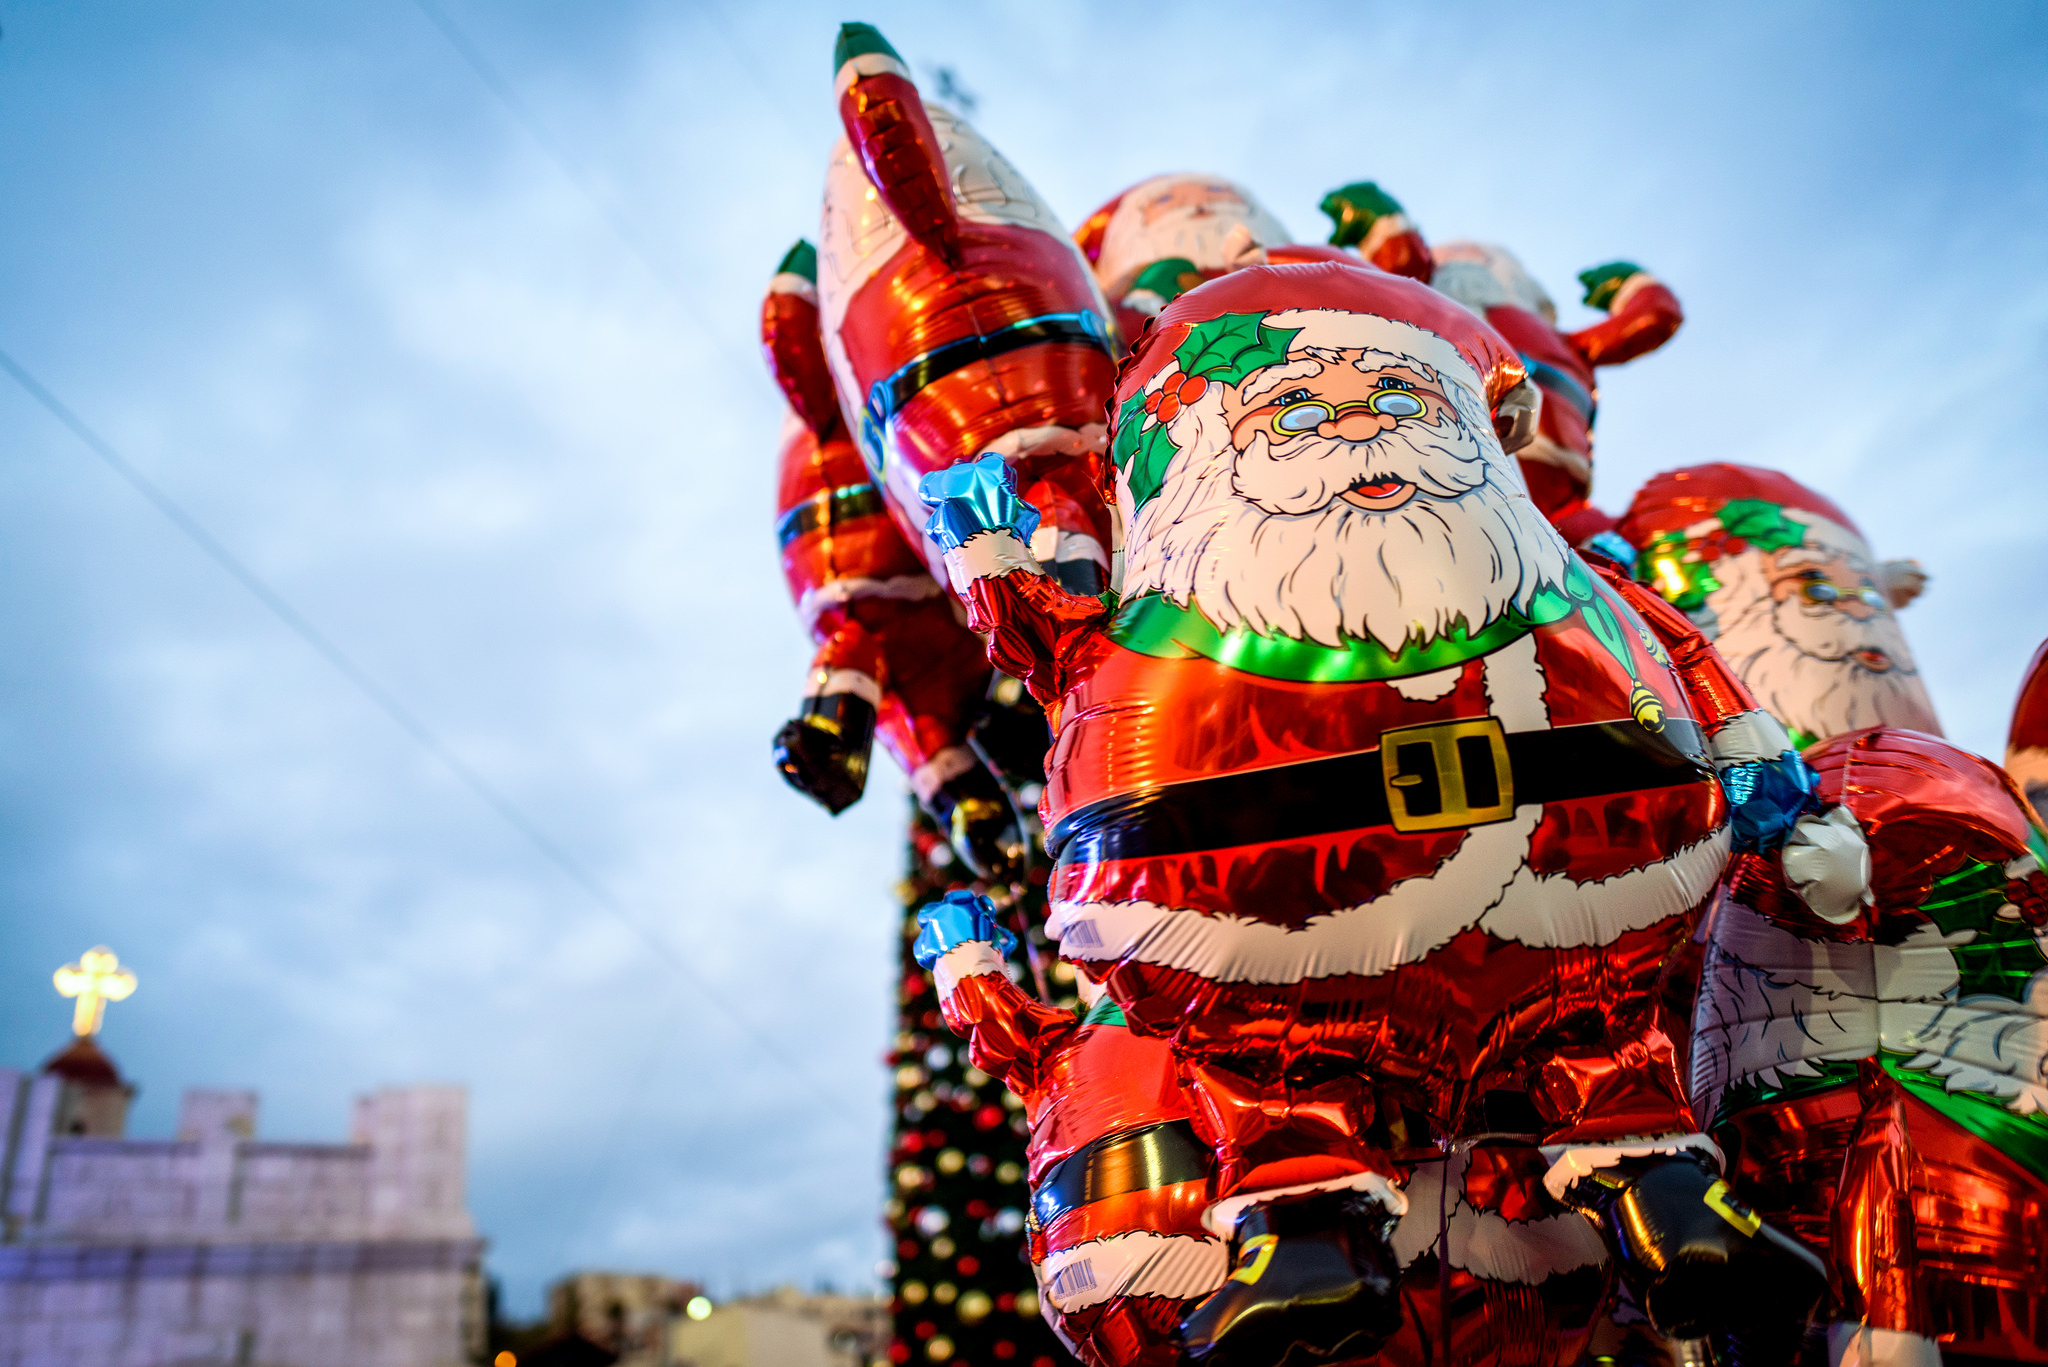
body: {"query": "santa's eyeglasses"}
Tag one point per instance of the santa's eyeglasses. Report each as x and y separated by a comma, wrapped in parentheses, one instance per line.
(1827, 591)
(1307, 413)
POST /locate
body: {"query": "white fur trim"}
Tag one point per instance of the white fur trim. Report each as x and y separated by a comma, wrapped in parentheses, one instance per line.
(1428, 687)
(1485, 1243)
(989, 555)
(867, 64)
(1630, 288)
(934, 773)
(1571, 1162)
(1514, 686)
(1773, 1005)
(1384, 229)
(1863, 1345)
(1749, 738)
(909, 588)
(970, 959)
(789, 282)
(1827, 862)
(1221, 1218)
(1177, 1266)
(1055, 545)
(1554, 912)
(824, 683)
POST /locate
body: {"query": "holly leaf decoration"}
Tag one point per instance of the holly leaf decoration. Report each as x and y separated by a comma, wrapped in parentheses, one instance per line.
(1228, 348)
(1129, 419)
(1763, 525)
(1150, 455)
(2003, 957)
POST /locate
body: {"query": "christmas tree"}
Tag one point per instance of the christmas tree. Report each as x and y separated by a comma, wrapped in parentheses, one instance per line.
(962, 1290)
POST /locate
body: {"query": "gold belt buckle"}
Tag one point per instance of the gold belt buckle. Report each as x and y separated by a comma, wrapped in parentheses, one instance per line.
(1452, 774)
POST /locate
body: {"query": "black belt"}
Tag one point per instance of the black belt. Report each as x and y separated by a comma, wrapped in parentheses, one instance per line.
(827, 508)
(886, 397)
(1562, 384)
(1136, 1160)
(1447, 776)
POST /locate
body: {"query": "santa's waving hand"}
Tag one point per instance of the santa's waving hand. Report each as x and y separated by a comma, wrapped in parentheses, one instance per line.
(1369, 786)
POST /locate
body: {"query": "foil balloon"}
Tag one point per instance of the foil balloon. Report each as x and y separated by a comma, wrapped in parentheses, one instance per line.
(1163, 236)
(2026, 743)
(1877, 1060)
(1359, 849)
(1781, 580)
(1118, 1163)
(1643, 314)
(892, 657)
(958, 318)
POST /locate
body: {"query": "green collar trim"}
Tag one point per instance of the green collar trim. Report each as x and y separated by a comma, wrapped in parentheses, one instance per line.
(1106, 1012)
(2022, 1138)
(1152, 625)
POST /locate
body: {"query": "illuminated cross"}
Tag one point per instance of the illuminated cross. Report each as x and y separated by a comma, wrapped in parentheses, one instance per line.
(96, 979)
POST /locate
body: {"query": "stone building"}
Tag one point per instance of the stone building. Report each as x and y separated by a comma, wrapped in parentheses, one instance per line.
(785, 1328)
(217, 1247)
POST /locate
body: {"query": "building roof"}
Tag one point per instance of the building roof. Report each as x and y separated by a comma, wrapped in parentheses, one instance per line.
(85, 1064)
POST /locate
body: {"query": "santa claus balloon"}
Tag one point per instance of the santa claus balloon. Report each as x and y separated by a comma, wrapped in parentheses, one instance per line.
(1871, 1043)
(1784, 584)
(893, 659)
(1371, 797)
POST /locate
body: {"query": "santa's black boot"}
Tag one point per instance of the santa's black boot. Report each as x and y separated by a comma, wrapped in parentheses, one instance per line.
(1311, 1276)
(976, 815)
(1700, 1262)
(823, 751)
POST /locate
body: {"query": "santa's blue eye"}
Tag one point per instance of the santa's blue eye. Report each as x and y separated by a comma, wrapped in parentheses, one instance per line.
(1390, 382)
(1304, 415)
(1396, 403)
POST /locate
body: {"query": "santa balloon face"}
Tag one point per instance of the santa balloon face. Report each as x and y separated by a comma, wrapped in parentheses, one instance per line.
(1809, 629)
(1788, 591)
(1330, 482)
(1186, 216)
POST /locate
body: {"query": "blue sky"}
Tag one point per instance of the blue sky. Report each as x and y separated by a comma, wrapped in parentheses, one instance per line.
(502, 431)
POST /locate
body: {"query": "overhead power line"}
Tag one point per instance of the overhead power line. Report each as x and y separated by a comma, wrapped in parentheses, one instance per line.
(523, 114)
(386, 702)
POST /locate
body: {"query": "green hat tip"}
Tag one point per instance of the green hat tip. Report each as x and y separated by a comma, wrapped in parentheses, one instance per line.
(859, 40)
(802, 259)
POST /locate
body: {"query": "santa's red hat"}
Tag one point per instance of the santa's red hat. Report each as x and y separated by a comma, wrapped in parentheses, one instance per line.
(2030, 713)
(1678, 499)
(1322, 285)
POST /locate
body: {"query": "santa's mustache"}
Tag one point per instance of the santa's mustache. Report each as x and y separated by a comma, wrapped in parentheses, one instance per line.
(1307, 472)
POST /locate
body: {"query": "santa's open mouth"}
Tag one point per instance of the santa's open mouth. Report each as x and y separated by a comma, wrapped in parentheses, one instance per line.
(1876, 661)
(1378, 495)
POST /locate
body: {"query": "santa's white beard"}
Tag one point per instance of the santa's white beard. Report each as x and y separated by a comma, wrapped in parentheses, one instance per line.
(1804, 672)
(1266, 541)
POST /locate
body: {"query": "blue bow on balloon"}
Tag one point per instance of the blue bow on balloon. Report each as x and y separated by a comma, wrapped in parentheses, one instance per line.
(974, 497)
(957, 919)
(1767, 799)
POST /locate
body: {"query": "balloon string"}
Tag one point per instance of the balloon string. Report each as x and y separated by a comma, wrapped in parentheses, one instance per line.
(1443, 1260)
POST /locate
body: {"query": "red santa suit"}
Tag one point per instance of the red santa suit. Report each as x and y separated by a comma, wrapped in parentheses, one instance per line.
(958, 317)
(893, 659)
(1446, 869)
(1878, 1063)
(1119, 1174)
